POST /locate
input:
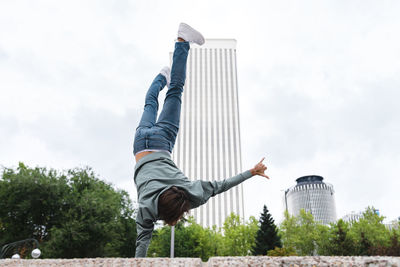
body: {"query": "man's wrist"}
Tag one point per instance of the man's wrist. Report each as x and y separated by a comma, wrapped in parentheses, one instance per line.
(253, 172)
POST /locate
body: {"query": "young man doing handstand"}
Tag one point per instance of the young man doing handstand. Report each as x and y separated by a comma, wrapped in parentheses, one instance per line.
(164, 192)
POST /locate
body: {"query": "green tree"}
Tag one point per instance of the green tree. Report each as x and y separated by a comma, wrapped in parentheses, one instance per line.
(191, 240)
(194, 241)
(267, 237)
(300, 233)
(73, 214)
(161, 241)
(394, 248)
(336, 240)
(239, 236)
(367, 236)
(308, 233)
(369, 232)
(288, 231)
(281, 252)
(31, 202)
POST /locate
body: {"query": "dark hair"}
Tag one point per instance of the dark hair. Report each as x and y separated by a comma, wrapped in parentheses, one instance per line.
(172, 204)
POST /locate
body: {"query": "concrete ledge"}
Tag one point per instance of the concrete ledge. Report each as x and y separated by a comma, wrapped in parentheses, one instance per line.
(213, 262)
(105, 262)
(303, 261)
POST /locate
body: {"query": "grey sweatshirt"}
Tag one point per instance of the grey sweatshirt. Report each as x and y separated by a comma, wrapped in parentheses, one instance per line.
(155, 173)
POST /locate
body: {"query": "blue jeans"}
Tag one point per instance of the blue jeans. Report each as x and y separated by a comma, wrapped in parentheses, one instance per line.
(161, 134)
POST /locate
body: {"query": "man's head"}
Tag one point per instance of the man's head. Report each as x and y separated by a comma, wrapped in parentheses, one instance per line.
(172, 204)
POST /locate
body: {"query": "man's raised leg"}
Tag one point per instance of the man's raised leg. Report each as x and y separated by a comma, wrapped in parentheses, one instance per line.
(170, 115)
(151, 102)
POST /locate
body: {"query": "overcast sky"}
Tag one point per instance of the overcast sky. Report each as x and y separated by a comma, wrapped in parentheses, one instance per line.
(318, 81)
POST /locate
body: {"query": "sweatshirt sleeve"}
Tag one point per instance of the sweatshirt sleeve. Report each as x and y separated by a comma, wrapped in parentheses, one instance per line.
(144, 228)
(212, 188)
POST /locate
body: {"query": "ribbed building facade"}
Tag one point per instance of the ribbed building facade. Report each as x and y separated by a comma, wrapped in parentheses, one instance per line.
(208, 144)
(352, 217)
(314, 196)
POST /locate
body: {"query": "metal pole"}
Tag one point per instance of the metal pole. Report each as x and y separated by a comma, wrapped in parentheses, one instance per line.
(172, 241)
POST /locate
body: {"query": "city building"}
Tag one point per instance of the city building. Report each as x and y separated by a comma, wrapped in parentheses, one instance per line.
(314, 196)
(352, 217)
(356, 216)
(393, 224)
(208, 144)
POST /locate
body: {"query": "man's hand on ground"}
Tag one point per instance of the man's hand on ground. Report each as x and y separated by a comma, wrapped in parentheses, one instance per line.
(259, 169)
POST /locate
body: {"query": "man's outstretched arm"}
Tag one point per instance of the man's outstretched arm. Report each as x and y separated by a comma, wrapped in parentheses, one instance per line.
(212, 188)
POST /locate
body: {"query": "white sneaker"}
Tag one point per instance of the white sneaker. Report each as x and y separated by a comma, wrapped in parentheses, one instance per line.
(166, 72)
(189, 34)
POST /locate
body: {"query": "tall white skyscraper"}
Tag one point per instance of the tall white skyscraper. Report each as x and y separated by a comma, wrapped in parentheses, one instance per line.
(208, 144)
